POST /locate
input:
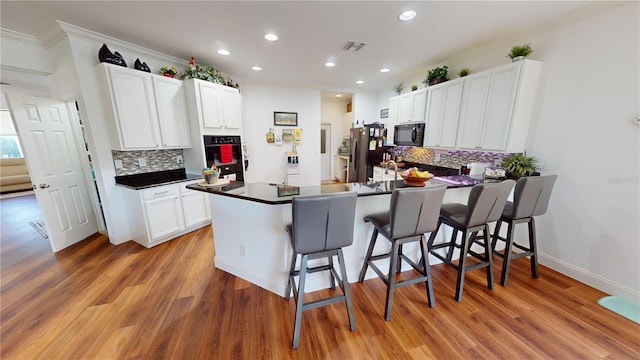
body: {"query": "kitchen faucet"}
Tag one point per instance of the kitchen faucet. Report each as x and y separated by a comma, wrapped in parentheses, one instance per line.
(386, 171)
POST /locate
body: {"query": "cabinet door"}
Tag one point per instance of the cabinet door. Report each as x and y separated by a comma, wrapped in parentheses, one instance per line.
(419, 105)
(195, 206)
(473, 106)
(136, 116)
(393, 118)
(231, 107)
(451, 114)
(500, 101)
(405, 110)
(434, 116)
(211, 114)
(163, 216)
(172, 112)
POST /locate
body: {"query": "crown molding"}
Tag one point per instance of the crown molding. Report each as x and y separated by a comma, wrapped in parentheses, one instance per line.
(60, 30)
(6, 34)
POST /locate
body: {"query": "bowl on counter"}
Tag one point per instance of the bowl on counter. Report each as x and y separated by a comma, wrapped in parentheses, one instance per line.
(415, 180)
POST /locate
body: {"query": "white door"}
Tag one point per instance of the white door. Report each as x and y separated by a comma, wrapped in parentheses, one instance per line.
(53, 161)
(325, 152)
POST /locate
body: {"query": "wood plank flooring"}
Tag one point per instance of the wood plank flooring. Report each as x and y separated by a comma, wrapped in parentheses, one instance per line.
(95, 300)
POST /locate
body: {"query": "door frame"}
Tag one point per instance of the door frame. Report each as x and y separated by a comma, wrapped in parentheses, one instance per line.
(327, 128)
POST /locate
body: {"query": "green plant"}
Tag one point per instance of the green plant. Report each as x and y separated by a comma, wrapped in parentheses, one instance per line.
(203, 72)
(520, 165)
(414, 87)
(520, 50)
(398, 87)
(464, 72)
(437, 75)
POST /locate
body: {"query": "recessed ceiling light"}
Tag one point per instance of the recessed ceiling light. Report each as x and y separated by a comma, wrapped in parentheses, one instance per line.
(223, 52)
(338, 95)
(271, 37)
(384, 70)
(359, 82)
(256, 68)
(407, 15)
(329, 64)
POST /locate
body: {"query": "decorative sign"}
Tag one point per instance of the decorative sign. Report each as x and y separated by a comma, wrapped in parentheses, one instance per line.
(285, 118)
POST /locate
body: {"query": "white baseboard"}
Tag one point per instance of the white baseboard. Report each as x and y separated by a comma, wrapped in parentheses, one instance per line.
(589, 278)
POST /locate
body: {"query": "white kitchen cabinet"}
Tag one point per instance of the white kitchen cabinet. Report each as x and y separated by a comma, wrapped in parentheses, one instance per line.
(442, 114)
(144, 111)
(173, 116)
(411, 106)
(162, 213)
(496, 107)
(218, 108)
(131, 109)
(341, 168)
(380, 175)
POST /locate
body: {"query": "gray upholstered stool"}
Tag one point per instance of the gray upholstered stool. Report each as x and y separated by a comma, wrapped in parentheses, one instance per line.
(322, 226)
(413, 212)
(530, 198)
(485, 205)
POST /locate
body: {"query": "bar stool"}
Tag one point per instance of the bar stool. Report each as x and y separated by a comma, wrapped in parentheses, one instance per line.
(413, 212)
(530, 198)
(322, 225)
(485, 205)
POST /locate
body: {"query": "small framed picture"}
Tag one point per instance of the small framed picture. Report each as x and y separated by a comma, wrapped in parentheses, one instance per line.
(384, 113)
(285, 118)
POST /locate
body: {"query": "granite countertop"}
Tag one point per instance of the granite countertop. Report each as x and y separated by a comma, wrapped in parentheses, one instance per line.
(156, 178)
(274, 194)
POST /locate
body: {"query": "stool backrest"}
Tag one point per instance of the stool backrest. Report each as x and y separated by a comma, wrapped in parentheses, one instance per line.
(531, 196)
(415, 211)
(486, 202)
(323, 222)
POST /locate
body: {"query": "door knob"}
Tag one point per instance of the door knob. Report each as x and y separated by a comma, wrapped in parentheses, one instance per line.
(43, 186)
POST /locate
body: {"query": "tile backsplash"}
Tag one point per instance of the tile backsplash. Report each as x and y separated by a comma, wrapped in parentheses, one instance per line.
(453, 158)
(157, 160)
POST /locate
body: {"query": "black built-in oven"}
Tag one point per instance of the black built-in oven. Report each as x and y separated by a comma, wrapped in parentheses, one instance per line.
(225, 152)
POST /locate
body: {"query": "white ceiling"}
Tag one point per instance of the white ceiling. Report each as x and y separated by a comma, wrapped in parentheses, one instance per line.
(311, 33)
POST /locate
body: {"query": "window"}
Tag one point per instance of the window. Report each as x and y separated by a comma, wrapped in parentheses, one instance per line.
(9, 142)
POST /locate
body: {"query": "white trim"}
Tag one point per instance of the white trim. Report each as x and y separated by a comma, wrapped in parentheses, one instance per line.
(589, 278)
(7, 34)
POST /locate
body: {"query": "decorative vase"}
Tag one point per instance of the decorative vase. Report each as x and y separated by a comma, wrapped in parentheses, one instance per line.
(142, 66)
(518, 58)
(436, 81)
(168, 75)
(105, 55)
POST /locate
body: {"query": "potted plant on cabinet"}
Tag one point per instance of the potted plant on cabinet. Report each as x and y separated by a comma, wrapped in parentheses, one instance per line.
(168, 71)
(414, 87)
(464, 72)
(519, 52)
(519, 165)
(437, 75)
(398, 87)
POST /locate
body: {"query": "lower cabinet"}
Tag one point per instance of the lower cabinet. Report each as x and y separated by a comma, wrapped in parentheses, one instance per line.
(165, 212)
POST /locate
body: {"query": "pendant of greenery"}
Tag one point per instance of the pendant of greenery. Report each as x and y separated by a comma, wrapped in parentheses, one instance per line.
(519, 165)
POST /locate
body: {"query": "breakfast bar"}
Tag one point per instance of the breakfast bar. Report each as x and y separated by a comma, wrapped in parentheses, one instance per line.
(249, 221)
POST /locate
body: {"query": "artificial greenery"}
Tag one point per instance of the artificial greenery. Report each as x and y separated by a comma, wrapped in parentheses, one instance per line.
(203, 72)
(437, 75)
(520, 165)
(520, 50)
(464, 72)
(168, 70)
(398, 87)
(414, 87)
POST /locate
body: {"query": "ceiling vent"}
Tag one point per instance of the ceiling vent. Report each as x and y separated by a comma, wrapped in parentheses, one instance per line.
(353, 46)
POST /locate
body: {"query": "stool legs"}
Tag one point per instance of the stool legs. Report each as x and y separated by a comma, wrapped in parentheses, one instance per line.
(427, 270)
(533, 247)
(300, 301)
(365, 265)
(508, 255)
(391, 285)
(344, 285)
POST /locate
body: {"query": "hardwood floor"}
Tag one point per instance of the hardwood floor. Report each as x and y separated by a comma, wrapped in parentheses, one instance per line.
(95, 300)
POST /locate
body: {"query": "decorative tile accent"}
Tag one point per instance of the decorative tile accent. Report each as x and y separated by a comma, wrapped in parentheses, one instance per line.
(453, 158)
(157, 160)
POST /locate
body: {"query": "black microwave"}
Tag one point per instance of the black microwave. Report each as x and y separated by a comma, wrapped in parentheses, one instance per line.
(409, 134)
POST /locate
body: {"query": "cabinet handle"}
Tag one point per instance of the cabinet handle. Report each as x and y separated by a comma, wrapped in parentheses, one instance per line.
(161, 192)
(478, 147)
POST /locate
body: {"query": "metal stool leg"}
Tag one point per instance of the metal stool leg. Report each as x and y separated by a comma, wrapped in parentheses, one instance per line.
(462, 264)
(391, 281)
(300, 302)
(333, 278)
(533, 247)
(367, 258)
(488, 253)
(506, 258)
(344, 284)
(427, 271)
(291, 282)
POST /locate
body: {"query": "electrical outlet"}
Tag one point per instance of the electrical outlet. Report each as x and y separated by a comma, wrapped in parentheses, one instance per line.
(179, 159)
(142, 162)
(497, 162)
(243, 250)
(118, 164)
(437, 157)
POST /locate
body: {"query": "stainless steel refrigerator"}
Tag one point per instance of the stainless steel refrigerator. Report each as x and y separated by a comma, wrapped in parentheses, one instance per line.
(366, 147)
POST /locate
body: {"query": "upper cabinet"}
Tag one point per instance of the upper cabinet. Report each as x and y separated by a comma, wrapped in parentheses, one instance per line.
(411, 106)
(217, 108)
(148, 112)
(496, 107)
(443, 110)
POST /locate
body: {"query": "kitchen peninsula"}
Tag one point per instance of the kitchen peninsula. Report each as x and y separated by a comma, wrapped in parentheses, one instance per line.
(249, 221)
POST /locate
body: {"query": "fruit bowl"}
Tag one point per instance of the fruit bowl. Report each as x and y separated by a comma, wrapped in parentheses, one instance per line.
(411, 179)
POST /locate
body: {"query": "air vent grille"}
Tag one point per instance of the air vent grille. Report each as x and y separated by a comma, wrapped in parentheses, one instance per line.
(353, 46)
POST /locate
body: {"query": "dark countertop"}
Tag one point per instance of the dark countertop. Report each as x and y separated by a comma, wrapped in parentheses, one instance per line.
(156, 178)
(274, 194)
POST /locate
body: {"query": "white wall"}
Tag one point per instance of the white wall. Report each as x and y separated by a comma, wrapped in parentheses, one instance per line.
(266, 161)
